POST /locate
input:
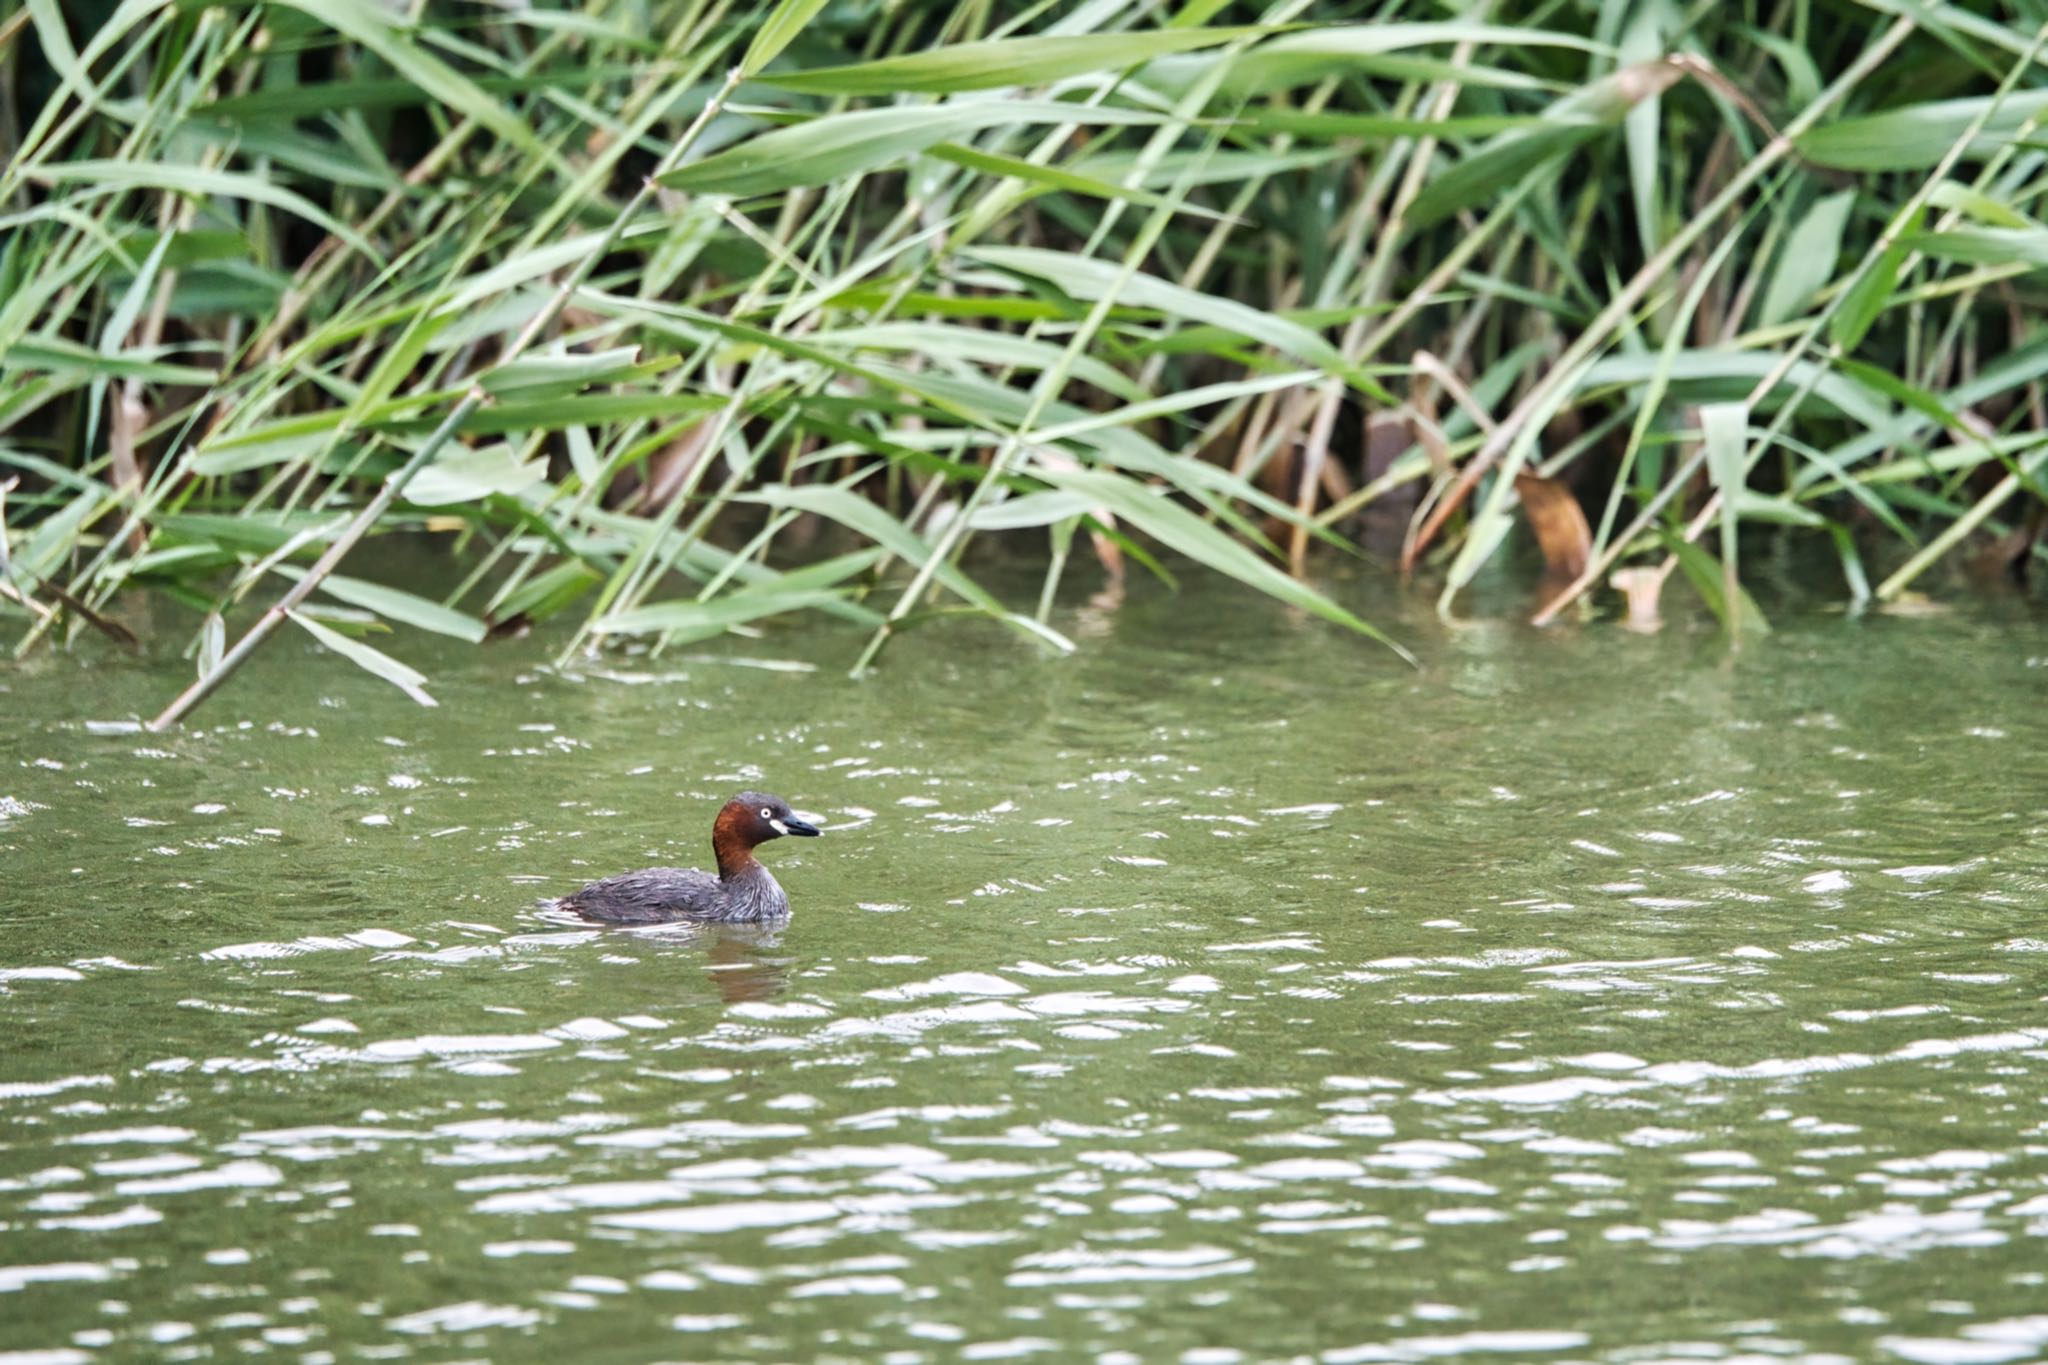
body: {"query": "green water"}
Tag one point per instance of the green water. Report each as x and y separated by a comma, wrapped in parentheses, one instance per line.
(1228, 991)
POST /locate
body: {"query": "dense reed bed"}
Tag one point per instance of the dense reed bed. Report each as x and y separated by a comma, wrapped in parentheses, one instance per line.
(682, 314)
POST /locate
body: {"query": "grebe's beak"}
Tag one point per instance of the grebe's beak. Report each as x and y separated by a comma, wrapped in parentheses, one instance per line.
(795, 826)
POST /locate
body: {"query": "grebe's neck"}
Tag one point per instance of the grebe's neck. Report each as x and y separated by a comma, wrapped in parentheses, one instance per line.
(735, 855)
(738, 866)
(736, 860)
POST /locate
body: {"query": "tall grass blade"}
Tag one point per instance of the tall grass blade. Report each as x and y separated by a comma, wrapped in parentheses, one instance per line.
(405, 678)
(840, 145)
(1003, 62)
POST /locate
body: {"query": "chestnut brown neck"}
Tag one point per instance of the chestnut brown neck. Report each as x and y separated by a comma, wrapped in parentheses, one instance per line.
(729, 844)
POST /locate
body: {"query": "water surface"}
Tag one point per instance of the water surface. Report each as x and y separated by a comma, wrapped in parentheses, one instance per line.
(1227, 991)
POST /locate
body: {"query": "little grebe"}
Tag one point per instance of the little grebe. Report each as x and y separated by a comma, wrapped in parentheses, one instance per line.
(743, 889)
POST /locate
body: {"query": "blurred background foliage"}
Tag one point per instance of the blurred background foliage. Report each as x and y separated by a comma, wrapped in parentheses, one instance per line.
(675, 315)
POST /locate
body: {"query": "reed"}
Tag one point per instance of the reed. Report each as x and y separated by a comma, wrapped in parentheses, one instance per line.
(628, 300)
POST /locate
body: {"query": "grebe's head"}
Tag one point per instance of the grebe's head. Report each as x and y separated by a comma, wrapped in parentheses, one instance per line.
(756, 817)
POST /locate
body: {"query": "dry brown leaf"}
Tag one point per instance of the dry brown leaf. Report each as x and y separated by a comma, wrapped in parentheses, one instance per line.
(1559, 523)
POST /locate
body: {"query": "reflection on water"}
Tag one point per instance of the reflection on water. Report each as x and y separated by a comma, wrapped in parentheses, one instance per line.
(741, 961)
(1221, 993)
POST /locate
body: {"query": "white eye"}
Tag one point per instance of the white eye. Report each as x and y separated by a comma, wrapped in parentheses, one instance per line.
(767, 814)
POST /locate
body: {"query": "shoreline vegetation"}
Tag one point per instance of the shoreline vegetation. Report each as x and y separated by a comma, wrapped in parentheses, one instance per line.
(630, 299)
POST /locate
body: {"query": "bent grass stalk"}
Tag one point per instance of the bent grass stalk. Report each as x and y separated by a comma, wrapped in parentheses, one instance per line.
(374, 510)
(1049, 382)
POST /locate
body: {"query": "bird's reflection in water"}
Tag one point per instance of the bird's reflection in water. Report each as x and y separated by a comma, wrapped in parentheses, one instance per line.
(743, 961)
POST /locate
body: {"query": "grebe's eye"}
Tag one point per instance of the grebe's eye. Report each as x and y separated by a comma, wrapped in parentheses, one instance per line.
(767, 814)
